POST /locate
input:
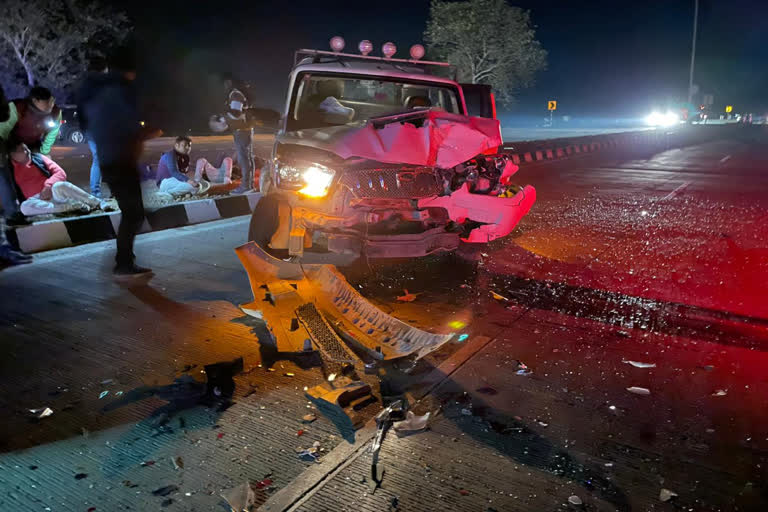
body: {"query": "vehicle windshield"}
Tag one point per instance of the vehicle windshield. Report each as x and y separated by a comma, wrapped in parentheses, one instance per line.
(333, 100)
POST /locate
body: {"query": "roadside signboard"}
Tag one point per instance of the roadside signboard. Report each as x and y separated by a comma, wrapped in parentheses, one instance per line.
(552, 105)
(729, 108)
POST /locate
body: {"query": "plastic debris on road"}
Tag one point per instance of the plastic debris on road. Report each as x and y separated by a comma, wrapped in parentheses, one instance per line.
(42, 412)
(411, 423)
(240, 498)
(309, 418)
(165, 491)
(638, 390)
(720, 392)
(309, 455)
(466, 412)
(498, 297)
(262, 484)
(178, 463)
(463, 337)
(407, 297)
(522, 369)
(666, 495)
(103, 394)
(638, 364)
(575, 500)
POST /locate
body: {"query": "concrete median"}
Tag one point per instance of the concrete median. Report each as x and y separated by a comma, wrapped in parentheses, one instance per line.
(67, 232)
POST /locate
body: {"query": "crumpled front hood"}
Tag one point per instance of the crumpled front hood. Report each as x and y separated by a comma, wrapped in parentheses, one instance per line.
(424, 138)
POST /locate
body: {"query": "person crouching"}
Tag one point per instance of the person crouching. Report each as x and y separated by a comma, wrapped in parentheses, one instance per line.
(43, 184)
(173, 171)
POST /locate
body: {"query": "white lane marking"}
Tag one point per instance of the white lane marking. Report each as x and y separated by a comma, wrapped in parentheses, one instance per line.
(677, 191)
(725, 159)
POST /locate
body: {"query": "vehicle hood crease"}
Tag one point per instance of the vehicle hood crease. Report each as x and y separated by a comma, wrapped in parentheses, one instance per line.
(435, 139)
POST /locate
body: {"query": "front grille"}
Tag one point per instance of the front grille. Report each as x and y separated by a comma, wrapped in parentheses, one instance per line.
(326, 340)
(401, 183)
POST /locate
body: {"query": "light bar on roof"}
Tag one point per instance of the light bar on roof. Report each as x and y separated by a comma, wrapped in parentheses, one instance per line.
(365, 47)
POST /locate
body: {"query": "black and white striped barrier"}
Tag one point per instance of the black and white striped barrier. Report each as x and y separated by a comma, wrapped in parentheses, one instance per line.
(557, 151)
(67, 232)
(654, 139)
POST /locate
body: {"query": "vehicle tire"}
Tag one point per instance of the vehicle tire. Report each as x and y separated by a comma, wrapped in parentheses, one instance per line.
(264, 221)
(76, 137)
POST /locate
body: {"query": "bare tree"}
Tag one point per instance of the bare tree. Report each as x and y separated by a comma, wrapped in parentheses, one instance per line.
(489, 41)
(49, 39)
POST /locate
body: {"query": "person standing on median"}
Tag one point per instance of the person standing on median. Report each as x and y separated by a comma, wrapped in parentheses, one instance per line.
(115, 126)
(8, 255)
(242, 133)
(97, 73)
(39, 120)
(9, 204)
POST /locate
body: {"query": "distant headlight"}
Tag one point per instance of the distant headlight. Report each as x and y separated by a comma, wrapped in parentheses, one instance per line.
(659, 119)
(312, 180)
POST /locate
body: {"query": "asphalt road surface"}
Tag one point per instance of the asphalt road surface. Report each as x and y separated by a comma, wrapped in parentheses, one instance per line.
(632, 271)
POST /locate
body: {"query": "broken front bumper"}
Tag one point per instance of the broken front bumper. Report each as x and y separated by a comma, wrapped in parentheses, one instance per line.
(297, 223)
(498, 215)
(311, 305)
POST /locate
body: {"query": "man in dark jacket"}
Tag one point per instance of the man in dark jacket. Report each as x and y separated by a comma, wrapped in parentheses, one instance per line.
(97, 68)
(115, 126)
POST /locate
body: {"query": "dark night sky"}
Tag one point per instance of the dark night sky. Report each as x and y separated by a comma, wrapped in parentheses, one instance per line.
(606, 58)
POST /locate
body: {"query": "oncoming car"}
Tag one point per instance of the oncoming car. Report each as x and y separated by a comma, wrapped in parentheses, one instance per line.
(380, 157)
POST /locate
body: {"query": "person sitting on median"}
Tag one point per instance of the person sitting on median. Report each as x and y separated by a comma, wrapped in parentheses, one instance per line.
(43, 184)
(173, 171)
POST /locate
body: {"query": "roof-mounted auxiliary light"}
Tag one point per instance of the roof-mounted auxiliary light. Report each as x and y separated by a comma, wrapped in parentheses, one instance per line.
(388, 49)
(417, 51)
(365, 47)
(337, 43)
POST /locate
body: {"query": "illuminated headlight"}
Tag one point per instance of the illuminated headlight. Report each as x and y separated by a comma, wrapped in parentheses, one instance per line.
(312, 180)
(659, 119)
(50, 123)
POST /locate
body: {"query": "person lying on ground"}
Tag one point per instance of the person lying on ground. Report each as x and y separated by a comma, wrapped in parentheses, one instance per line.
(43, 184)
(173, 171)
(39, 120)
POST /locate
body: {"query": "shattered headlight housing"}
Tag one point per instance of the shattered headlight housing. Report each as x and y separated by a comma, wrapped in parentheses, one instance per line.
(311, 180)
